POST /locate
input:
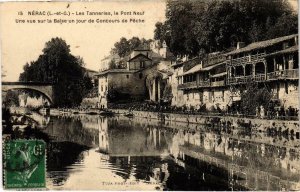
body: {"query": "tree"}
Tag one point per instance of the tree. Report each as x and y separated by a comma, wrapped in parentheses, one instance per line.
(253, 97)
(112, 64)
(11, 99)
(192, 27)
(161, 33)
(285, 25)
(167, 94)
(58, 66)
(121, 47)
(124, 46)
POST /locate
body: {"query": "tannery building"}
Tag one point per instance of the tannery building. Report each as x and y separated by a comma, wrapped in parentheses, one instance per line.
(215, 79)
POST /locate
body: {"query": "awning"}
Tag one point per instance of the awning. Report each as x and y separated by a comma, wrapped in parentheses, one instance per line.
(193, 70)
(219, 75)
(198, 68)
(212, 66)
(284, 51)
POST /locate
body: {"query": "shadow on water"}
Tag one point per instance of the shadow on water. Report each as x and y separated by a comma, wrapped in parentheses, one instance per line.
(68, 140)
(96, 150)
(63, 149)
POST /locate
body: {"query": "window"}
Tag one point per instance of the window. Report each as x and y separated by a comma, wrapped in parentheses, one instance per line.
(127, 76)
(141, 75)
(142, 64)
(101, 88)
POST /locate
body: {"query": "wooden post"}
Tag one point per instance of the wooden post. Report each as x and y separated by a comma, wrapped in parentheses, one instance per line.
(266, 69)
(153, 91)
(284, 62)
(275, 65)
(158, 90)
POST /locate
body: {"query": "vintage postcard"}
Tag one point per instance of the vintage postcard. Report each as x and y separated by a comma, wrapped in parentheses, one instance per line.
(192, 95)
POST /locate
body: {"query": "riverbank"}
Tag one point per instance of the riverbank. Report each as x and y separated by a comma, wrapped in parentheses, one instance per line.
(195, 121)
(276, 126)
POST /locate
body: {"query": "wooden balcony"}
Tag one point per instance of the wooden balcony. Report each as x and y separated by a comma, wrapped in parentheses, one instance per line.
(246, 79)
(247, 59)
(194, 85)
(284, 74)
(188, 85)
(218, 83)
(204, 83)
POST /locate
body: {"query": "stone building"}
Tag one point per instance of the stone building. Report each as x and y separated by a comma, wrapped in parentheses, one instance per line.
(216, 80)
(129, 83)
(272, 63)
(203, 83)
(105, 62)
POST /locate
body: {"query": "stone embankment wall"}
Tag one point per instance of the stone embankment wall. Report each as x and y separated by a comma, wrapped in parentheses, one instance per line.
(198, 121)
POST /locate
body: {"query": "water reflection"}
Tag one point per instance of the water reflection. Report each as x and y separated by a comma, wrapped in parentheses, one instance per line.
(92, 152)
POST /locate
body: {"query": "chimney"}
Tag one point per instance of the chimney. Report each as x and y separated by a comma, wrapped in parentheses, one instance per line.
(240, 45)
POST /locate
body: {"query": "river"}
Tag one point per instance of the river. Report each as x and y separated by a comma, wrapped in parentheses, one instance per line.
(120, 153)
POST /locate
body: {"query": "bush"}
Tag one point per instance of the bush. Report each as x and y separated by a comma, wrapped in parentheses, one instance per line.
(253, 97)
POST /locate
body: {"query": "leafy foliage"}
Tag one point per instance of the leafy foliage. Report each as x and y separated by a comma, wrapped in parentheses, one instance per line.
(58, 66)
(194, 27)
(11, 99)
(167, 93)
(112, 64)
(253, 97)
(124, 46)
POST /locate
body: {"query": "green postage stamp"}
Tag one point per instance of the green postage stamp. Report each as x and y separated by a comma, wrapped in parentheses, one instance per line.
(24, 164)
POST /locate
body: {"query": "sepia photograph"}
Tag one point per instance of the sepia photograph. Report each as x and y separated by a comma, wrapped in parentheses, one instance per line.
(140, 95)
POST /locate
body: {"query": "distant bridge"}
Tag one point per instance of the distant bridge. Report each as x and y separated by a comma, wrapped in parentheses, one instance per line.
(45, 89)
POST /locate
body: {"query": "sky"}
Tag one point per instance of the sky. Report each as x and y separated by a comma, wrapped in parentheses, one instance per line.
(23, 42)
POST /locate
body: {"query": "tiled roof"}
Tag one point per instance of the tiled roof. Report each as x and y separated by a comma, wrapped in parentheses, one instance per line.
(288, 50)
(139, 55)
(262, 44)
(193, 70)
(199, 68)
(114, 71)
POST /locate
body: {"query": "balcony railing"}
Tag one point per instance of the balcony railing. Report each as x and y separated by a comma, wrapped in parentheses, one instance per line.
(188, 85)
(245, 79)
(247, 59)
(194, 84)
(204, 83)
(284, 74)
(218, 83)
